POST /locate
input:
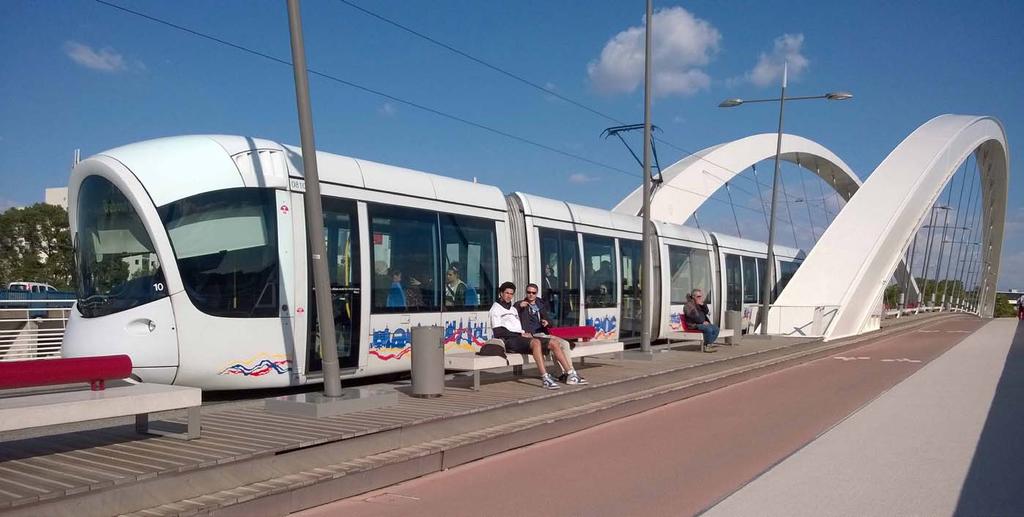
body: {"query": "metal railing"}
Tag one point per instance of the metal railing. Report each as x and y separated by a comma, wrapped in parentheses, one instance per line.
(32, 329)
(801, 320)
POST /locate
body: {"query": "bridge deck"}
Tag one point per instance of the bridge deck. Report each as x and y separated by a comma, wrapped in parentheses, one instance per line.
(65, 468)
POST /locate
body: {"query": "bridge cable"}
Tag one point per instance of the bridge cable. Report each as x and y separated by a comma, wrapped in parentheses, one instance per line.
(807, 200)
(968, 234)
(731, 205)
(760, 196)
(782, 181)
(956, 225)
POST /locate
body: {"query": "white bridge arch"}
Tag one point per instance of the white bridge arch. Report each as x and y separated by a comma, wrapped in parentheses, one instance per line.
(851, 264)
(688, 183)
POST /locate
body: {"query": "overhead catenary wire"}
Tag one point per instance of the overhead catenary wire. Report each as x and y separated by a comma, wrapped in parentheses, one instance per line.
(517, 77)
(392, 97)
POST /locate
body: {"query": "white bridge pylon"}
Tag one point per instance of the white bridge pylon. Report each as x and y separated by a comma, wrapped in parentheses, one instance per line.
(840, 284)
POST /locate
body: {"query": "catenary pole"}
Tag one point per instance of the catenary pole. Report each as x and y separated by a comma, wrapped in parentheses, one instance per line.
(647, 317)
(769, 279)
(314, 209)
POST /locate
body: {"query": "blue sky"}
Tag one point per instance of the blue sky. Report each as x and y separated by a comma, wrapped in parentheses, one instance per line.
(79, 74)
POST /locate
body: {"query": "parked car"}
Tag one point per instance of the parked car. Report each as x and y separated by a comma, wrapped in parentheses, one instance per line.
(31, 287)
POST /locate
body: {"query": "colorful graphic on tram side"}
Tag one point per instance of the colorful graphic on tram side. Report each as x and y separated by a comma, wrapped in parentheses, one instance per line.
(259, 366)
(464, 337)
(675, 321)
(607, 327)
(387, 344)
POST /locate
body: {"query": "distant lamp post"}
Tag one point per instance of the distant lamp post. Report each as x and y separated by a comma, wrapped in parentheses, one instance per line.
(766, 286)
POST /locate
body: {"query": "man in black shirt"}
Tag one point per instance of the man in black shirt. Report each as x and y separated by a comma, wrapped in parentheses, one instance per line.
(533, 313)
(696, 313)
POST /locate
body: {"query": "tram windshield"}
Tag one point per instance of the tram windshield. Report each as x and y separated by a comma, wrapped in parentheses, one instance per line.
(225, 243)
(117, 264)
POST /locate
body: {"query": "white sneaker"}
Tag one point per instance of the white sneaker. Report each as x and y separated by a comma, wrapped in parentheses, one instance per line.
(549, 382)
(574, 378)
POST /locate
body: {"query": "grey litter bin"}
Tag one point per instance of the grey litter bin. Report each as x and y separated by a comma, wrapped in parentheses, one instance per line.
(427, 362)
(734, 321)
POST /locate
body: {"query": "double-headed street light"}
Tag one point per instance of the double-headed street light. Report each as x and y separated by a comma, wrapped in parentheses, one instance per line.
(766, 285)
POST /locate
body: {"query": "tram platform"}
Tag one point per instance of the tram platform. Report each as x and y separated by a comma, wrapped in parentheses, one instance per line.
(251, 462)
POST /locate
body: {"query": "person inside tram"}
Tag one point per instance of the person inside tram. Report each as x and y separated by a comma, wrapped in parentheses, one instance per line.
(533, 314)
(551, 287)
(396, 294)
(506, 326)
(454, 287)
(696, 314)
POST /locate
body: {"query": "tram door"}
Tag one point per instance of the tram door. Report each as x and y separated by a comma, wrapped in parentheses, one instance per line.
(631, 288)
(559, 251)
(341, 242)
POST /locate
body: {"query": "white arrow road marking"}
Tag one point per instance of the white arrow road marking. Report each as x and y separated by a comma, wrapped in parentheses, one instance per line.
(901, 360)
(841, 358)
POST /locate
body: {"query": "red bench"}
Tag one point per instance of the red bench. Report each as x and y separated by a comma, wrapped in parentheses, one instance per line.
(584, 333)
(47, 372)
(31, 410)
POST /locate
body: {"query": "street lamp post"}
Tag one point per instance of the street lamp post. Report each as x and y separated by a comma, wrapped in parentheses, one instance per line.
(769, 279)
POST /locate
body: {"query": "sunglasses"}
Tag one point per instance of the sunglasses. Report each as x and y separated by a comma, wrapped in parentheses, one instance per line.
(531, 292)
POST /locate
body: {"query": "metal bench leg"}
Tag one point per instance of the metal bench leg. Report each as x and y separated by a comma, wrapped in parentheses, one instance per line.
(476, 380)
(192, 426)
(517, 369)
(193, 423)
(142, 423)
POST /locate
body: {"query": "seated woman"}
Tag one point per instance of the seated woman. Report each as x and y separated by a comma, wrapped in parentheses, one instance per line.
(696, 314)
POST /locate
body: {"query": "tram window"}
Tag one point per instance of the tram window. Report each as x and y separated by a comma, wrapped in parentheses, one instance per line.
(470, 262)
(599, 259)
(680, 283)
(405, 258)
(225, 243)
(700, 264)
(559, 253)
(733, 283)
(110, 239)
(750, 282)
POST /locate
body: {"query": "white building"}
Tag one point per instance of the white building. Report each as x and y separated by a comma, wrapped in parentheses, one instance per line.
(57, 196)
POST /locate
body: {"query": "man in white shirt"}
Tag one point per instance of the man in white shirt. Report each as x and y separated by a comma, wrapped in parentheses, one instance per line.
(506, 326)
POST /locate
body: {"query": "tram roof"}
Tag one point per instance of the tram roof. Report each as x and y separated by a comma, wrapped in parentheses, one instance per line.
(177, 167)
(731, 242)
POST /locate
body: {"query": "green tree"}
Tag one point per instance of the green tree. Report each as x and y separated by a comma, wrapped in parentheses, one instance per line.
(1003, 307)
(35, 246)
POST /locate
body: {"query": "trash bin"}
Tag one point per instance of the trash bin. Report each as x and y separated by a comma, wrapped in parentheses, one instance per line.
(427, 362)
(734, 321)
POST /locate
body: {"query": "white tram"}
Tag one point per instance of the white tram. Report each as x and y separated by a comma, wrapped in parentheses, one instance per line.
(192, 259)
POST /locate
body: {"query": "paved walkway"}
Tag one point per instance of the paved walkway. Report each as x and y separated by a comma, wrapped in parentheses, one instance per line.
(945, 441)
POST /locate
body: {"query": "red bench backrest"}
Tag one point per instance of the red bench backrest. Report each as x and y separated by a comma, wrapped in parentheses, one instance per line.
(584, 333)
(47, 372)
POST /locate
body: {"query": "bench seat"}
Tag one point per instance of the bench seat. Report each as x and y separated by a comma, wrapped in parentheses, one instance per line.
(29, 411)
(695, 335)
(469, 361)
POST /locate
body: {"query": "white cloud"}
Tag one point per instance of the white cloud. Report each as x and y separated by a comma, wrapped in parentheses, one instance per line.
(580, 178)
(388, 110)
(681, 45)
(786, 49)
(105, 60)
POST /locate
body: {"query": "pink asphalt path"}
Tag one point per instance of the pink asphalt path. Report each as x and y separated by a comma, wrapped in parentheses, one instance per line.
(678, 459)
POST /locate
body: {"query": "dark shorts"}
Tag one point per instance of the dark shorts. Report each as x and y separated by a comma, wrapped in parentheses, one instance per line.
(521, 345)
